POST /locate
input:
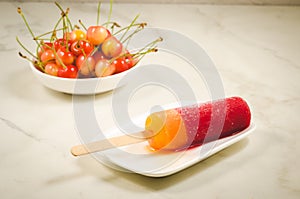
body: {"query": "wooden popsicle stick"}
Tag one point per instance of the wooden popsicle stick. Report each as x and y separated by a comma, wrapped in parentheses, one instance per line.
(113, 142)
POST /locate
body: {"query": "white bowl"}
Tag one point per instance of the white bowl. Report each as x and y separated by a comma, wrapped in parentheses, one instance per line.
(86, 86)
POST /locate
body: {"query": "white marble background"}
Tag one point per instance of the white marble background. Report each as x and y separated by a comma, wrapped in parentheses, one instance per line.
(256, 50)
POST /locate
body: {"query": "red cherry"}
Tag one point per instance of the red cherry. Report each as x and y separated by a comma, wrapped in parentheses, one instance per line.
(75, 48)
(130, 60)
(69, 71)
(47, 55)
(64, 56)
(86, 46)
(79, 47)
(61, 43)
(44, 47)
(122, 64)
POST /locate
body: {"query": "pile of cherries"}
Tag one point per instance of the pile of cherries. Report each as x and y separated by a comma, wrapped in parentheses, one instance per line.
(85, 53)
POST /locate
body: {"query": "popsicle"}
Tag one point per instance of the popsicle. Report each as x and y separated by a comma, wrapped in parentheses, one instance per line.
(191, 126)
(183, 128)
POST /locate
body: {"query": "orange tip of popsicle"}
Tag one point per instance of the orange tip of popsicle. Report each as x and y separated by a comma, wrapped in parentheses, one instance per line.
(168, 130)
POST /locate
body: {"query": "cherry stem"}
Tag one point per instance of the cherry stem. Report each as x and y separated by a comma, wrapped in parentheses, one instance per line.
(59, 6)
(58, 58)
(70, 27)
(36, 63)
(82, 25)
(25, 48)
(66, 21)
(133, 25)
(53, 36)
(128, 27)
(110, 12)
(150, 45)
(140, 55)
(64, 28)
(39, 64)
(114, 24)
(98, 12)
(41, 39)
(111, 22)
(142, 52)
(46, 45)
(43, 45)
(24, 57)
(39, 47)
(138, 29)
(65, 31)
(26, 23)
(46, 33)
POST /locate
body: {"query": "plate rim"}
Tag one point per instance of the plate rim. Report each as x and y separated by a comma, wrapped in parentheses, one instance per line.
(226, 142)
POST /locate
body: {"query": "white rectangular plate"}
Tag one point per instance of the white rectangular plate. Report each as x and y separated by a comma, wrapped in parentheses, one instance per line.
(139, 159)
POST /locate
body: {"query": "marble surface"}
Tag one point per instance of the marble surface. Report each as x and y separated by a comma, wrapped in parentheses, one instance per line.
(256, 51)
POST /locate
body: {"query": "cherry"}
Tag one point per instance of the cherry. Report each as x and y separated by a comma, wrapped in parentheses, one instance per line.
(108, 33)
(79, 47)
(130, 59)
(47, 55)
(77, 35)
(61, 43)
(64, 56)
(85, 65)
(67, 36)
(103, 68)
(44, 47)
(97, 34)
(122, 64)
(87, 46)
(70, 71)
(111, 47)
(98, 56)
(76, 49)
(89, 53)
(51, 69)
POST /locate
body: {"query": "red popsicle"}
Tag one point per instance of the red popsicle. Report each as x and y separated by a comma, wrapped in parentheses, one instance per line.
(190, 126)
